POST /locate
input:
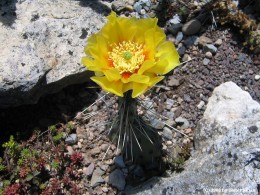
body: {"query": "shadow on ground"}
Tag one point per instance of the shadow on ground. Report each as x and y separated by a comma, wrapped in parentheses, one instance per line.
(52, 109)
(7, 12)
(96, 5)
(8, 9)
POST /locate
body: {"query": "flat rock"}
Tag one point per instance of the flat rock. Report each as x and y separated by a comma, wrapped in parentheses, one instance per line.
(179, 37)
(41, 48)
(182, 122)
(191, 27)
(190, 41)
(167, 133)
(117, 179)
(181, 50)
(226, 154)
(157, 124)
(174, 28)
(173, 82)
(90, 169)
(210, 47)
(71, 139)
(119, 162)
(96, 178)
(206, 61)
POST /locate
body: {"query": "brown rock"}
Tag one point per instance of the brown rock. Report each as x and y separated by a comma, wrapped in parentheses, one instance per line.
(203, 40)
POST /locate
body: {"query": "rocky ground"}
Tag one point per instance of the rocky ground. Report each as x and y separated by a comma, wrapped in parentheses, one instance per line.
(210, 55)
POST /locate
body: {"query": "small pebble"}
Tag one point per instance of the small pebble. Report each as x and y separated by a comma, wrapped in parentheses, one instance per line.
(104, 189)
(175, 20)
(182, 122)
(70, 150)
(257, 77)
(157, 124)
(168, 143)
(206, 61)
(143, 11)
(210, 47)
(218, 42)
(138, 7)
(186, 58)
(104, 147)
(167, 133)
(200, 105)
(181, 50)
(179, 37)
(187, 131)
(79, 144)
(208, 55)
(185, 141)
(203, 40)
(173, 82)
(71, 139)
(95, 151)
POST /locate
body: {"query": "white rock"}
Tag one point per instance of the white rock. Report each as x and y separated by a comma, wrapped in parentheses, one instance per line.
(40, 52)
(233, 104)
(208, 54)
(200, 105)
(257, 77)
(226, 154)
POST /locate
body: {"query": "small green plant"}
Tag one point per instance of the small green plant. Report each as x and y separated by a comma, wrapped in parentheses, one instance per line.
(58, 137)
(40, 165)
(12, 148)
(70, 126)
(2, 166)
(53, 129)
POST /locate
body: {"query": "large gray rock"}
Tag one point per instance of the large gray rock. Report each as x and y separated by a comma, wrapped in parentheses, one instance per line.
(226, 159)
(41, 48)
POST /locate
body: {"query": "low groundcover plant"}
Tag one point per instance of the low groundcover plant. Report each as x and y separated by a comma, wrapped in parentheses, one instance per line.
(128, 57)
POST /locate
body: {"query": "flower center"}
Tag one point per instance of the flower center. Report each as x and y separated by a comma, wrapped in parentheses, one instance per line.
(127, 56)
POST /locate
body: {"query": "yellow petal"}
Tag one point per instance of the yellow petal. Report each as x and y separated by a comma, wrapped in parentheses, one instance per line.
(168, 58)
(87, 61)
(112, 17)
(138, 89)
(90, 64)
(153, 37)
(110, 86)
(99, 74)
(95, 65)
(123, 24)
(127, 87)
(155, 80)
(165, 47)
(142, 25)
(112, 74)
(148, 64)
(97, 46)
(136, 78)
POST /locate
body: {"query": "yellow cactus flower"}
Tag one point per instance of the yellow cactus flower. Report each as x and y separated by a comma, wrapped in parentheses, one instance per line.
(129, 54)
